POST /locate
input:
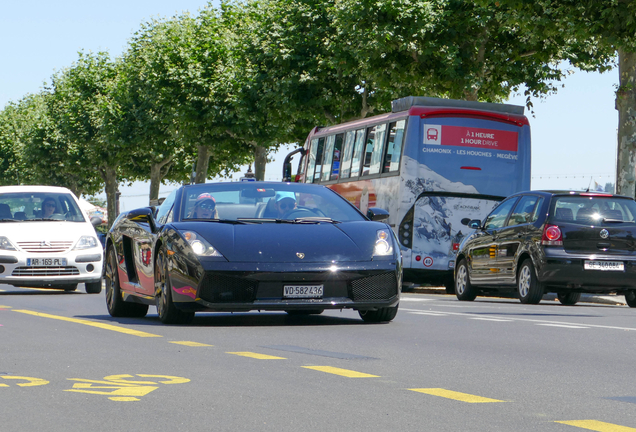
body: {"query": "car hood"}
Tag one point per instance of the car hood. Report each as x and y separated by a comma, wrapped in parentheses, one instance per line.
(45, 231)
(282, 242)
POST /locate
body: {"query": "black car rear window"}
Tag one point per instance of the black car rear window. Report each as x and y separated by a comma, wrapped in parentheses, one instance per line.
(592, 210)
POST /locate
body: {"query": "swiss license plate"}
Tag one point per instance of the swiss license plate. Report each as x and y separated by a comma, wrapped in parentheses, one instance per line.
(302, 291)
(46, 262)
(604, 265)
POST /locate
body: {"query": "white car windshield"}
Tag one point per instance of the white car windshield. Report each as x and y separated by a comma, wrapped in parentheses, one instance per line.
(39, 206)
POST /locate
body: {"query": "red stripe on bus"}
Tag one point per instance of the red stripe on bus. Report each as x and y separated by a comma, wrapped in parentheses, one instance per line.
(471, 168)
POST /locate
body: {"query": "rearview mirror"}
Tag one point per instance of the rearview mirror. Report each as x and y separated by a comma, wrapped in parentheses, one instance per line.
(257, 193)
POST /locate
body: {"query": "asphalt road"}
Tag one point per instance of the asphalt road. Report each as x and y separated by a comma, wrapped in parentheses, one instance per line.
(441, 365)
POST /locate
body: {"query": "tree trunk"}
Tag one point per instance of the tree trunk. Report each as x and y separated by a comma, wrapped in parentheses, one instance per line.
(260, 162)
(203, 161)
(109, 175)
(157, 172)
(626, 106)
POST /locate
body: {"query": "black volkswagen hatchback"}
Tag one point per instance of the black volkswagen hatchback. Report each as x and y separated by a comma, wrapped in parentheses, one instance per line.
(562, 242)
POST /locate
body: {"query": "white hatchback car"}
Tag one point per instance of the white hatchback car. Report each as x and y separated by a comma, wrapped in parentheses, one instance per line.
(47, 241)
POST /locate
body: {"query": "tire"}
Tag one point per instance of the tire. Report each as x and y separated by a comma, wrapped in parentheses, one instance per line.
(69, 288)
(529, 288)
(568, 299)
(630, 298)
(450, 286)
(464, 290)
(115, 303)
(166, 309)
(385, 314)
(298, 312)
(93, 287)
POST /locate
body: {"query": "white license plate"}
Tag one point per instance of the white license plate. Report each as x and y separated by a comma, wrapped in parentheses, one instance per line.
(46, 262)
(302, 291)
(604, 265)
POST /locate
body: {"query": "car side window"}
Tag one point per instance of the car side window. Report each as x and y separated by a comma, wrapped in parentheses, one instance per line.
(497, 218)
(524, 210)
(166, 206)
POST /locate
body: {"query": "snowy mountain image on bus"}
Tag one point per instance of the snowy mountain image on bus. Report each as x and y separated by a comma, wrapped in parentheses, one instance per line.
(430, 163)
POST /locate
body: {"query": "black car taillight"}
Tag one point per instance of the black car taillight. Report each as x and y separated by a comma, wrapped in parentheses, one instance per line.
(552, 236)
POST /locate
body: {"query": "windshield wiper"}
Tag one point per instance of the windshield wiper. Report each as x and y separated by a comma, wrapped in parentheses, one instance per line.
(9, 220)
(227, 221)
(610, 220)
(315, 219)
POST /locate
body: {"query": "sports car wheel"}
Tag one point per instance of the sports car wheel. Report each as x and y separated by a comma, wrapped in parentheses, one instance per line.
(115, 303)
(529, 288)
(93, 287)
(630, 298)
(297, 312)
(385, 314)
(166, 309)
(464, 290)
(568, 299)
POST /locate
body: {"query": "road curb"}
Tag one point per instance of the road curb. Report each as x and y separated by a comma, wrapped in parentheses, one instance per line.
(616, 300)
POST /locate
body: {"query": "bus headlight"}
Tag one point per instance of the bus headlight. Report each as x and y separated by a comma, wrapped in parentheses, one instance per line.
(383, 243)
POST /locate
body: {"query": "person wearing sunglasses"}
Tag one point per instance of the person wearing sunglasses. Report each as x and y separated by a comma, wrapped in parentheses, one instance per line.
(285, 203)
(48, 207)
(205, 207)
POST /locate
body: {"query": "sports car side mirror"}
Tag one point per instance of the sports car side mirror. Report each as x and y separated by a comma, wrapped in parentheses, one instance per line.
(142, 215)
(377, 214)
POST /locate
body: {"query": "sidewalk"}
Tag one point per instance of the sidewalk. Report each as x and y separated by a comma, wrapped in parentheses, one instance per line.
(585, 298)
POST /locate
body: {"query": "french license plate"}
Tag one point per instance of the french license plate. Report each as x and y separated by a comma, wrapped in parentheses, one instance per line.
(46, 262)
(302, 291)
(604, 265)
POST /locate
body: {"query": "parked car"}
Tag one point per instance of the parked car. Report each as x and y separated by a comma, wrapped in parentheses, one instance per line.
(47, 241)
(241, 246)
(560, 242)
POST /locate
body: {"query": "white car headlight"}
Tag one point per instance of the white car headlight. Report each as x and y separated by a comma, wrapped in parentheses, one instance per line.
(383, 243)
(86, 242)
(199, 245)
(5, 244)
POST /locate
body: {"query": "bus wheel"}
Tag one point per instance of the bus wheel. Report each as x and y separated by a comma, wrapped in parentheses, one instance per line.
(464, 290)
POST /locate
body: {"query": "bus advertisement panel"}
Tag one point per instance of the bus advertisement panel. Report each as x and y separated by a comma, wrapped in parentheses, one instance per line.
(431, 163)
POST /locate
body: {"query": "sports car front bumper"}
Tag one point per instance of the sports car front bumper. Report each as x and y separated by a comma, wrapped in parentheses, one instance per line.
(222, 286)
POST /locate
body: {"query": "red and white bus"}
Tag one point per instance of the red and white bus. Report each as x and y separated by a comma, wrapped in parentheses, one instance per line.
(431, 163)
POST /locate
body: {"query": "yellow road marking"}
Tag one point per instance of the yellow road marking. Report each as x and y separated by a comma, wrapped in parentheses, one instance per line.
(32, 382)
(342, 372)
(5, 307)
(596, 425)
(89, 323)
(257, 355)
(449, 394)
(192, 344)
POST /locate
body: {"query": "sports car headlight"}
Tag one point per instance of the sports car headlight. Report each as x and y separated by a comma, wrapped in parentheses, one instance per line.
(5, 244)
(86, 242)
(199, 245)
(383, 243)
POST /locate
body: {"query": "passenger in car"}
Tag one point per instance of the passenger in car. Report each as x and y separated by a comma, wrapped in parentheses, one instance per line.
(205, 207)
(5, 211)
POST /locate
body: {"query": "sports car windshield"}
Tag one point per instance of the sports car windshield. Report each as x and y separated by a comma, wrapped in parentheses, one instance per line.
(38, 206)
(244, 202)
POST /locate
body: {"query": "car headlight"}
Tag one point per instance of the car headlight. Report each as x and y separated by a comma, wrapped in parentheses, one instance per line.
(5, 244)
(199, 245)
(383, 243)
(86, 242)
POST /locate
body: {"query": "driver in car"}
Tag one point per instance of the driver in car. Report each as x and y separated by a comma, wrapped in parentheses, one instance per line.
(48, 207)
(285, 203)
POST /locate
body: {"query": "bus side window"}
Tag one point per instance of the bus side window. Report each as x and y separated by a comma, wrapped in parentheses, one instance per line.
(378, 149)
(311, 164)
(347, 152)
(368, 150)
(394, 147)
(328, 151)
(319, 151)
(335, 168)
(357, 153)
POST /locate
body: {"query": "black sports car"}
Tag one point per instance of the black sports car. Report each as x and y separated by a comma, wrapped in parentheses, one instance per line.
(241, 246)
